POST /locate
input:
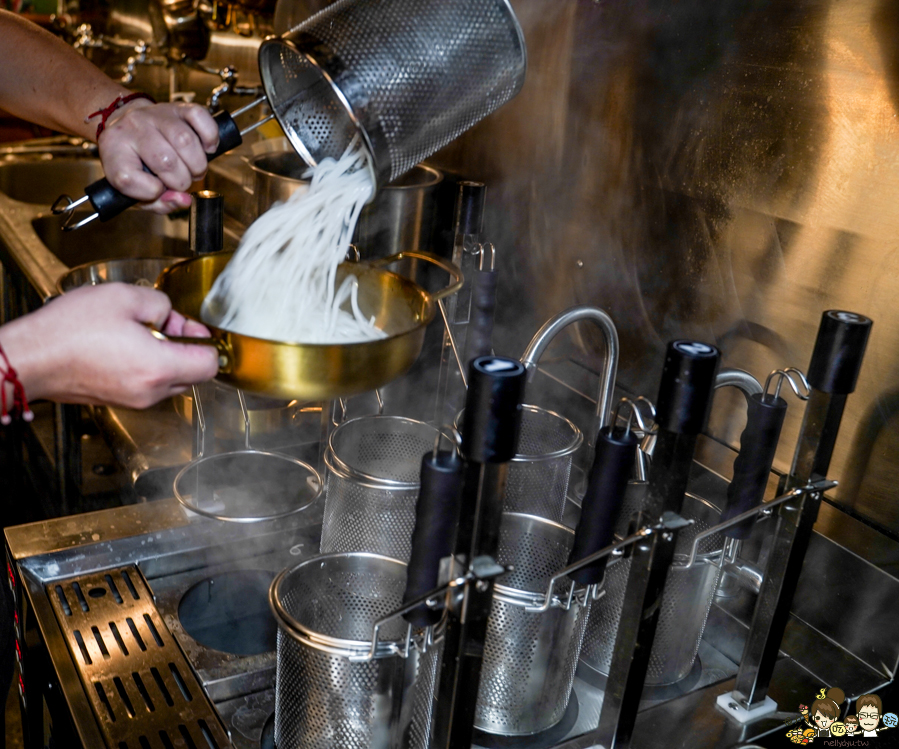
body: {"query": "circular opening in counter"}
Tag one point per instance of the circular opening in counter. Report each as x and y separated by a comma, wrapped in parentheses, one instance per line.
(229, 612)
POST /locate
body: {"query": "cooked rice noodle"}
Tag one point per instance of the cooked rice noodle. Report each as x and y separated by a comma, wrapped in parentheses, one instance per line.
(281, 283)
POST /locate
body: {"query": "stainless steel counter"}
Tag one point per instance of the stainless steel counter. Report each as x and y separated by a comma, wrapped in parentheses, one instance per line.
(176, 551)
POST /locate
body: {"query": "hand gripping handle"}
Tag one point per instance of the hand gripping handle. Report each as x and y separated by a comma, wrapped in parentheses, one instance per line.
(109, 202)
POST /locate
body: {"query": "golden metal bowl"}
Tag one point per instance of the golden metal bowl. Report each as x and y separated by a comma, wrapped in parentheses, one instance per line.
(308, 371)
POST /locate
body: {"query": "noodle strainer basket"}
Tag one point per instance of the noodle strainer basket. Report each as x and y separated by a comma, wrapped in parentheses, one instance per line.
(686, 601)
(373, 481)
(530, 656)
(335, 686)
(409, 76)
(537, 480)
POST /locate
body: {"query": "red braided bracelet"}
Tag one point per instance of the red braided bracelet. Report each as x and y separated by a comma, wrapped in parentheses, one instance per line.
(20, 402)
(120, 102)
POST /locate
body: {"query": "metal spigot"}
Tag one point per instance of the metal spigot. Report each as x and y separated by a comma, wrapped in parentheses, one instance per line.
(85, 38)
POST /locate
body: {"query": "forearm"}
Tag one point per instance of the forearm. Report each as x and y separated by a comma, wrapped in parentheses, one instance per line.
(45, 81)
(92, 345)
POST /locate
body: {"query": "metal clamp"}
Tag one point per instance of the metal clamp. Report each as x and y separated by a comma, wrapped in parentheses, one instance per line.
(668, 522)
(764, 510)
(483, 568)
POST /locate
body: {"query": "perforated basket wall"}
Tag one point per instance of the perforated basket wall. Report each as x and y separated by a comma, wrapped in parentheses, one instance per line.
(325, 700)
(686, 601)
(374, 464)
(537, 484)
(529, 658)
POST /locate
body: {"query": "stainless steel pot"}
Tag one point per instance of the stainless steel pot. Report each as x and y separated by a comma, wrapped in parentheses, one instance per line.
(140, 271)
(400, 218)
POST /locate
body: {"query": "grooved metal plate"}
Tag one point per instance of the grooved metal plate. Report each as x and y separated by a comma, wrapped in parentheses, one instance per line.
(143, 691)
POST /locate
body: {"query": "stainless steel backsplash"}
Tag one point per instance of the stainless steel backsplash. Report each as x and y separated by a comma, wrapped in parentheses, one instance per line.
(722, 171)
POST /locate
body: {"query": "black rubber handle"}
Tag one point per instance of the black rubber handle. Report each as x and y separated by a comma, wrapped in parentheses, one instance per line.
(483, 306)
(839, 350)
(758, 443)
(688, 379)
(109, 202)
(470, 207)
(493, 409)
(601, 504)
(436, 517)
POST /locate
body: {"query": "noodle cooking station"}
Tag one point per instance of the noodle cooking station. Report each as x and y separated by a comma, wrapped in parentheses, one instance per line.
(578, 496)
(199, 606)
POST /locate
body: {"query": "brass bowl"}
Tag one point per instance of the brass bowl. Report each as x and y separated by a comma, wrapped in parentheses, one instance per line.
(308, 371)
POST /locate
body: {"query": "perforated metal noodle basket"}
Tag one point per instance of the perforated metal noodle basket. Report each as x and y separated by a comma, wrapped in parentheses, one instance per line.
(686, 601)
(329, 693)
(530, 657)
(409, 76)
(373, 466)
(537, 481)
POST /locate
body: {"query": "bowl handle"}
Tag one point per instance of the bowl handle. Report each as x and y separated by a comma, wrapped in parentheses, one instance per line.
(226, 356)
(451, 268)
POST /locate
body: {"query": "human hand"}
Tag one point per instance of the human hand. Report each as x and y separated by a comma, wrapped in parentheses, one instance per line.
(92, 345)
(171, 139)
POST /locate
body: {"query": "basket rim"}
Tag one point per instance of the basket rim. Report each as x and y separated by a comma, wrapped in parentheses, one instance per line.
(577, 437)
(316, 640)
(313, 475)
(341, 468)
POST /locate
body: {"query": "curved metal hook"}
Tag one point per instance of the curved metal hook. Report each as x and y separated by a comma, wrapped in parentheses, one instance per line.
(788, 374)
(634, 413)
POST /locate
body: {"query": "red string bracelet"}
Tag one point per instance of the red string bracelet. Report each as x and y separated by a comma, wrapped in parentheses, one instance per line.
(20, 402)
(120, 102)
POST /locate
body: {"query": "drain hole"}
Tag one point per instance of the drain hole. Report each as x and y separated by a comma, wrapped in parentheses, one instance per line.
(62, 601)
(166, 741)
(186, 736)
(153, 630)
(180, 682)
(230, 613)
(96, 592)
(101, 693)
(162, 687)
(80, 596)
(145, 743)
(100, 643)
(143, 690)
(118, 638)
(84, 653)
(120, 687)
(131, 588)
(207, 734)
(137, 637)
(112, 587)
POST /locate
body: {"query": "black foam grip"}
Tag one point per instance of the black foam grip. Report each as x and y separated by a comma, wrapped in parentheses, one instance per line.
(601, 504)
(483, 305)
(470, 207)
(839, 350)
(436, 517)
(758, 443)
(685, 393)
(109, 202)
(493, 409)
